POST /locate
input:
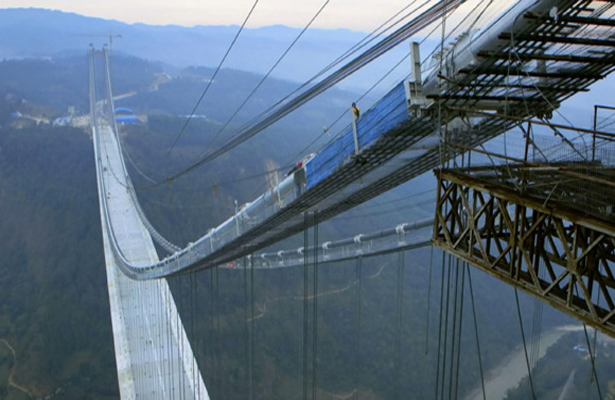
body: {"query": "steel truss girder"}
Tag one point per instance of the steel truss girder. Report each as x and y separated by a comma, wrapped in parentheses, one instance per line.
(565, 261)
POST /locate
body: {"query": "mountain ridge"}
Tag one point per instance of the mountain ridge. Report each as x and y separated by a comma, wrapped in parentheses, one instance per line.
(37, 32)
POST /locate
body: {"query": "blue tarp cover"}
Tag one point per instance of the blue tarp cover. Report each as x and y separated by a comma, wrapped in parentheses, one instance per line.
(378, 120)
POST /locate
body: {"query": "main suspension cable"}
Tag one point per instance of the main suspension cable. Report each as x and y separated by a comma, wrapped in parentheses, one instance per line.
(245, 21)
(264, 78)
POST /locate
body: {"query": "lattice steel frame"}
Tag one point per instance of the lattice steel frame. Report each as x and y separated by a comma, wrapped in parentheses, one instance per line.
(555, 254)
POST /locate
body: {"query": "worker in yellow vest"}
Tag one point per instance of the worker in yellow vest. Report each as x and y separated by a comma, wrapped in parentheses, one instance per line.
(355, 110)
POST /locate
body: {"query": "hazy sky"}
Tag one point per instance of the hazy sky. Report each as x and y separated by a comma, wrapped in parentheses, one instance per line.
(363, 15)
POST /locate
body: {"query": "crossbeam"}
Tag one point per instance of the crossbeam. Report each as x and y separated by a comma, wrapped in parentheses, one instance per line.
(559, 39)
(572, 19)
(504, 71)
(505, 55)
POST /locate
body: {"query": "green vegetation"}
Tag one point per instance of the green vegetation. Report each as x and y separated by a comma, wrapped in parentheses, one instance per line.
(59, 83)
(54, 307)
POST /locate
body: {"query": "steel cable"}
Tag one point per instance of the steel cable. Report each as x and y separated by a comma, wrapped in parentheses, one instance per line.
(264, 78)
(527, 362)
(213, 77)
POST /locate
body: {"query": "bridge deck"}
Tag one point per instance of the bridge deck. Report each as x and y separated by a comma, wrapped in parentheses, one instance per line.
(153, 354)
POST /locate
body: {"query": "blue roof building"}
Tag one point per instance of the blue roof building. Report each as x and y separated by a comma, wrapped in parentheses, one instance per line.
(125, 116)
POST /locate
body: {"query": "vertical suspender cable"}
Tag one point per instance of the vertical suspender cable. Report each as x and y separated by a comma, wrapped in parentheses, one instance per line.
(325, 291)
(160, 344)
(306, 264)
(171, 389)
(174, 367)
(218, 341)
(400, 305)
(527, 362)
(446, 318)
(315, 313)
(454, 333)
(463, 278)
(440, 327)
(359, 281)
(247, 327)
(175, 348)
(181, 379)
(251, 391)
(195, 335)
(429, 301)
(156, 340)
(180, 344)
(593, 361)
(480, 362)
(212, 355)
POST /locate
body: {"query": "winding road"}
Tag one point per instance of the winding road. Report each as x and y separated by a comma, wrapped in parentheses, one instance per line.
(11, 381)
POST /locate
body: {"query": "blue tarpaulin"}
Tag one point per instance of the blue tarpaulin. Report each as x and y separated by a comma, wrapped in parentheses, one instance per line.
(388, 113)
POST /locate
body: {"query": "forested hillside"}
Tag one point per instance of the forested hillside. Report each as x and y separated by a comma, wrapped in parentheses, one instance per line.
(53, 303)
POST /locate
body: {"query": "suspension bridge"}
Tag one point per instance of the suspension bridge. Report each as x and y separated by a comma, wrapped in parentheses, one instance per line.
(493, 211)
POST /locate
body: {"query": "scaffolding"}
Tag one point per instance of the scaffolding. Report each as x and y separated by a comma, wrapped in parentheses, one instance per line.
(542, 222)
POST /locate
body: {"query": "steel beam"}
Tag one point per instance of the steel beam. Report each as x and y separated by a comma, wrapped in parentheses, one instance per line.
(559, 39)
(505, 55)
(573, 19)
(564, 259)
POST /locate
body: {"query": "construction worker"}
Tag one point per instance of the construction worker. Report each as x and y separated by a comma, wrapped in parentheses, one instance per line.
(355, 110)
(296, 168)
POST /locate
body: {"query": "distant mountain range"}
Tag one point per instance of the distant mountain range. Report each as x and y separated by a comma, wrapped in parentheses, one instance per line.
(33, 32)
